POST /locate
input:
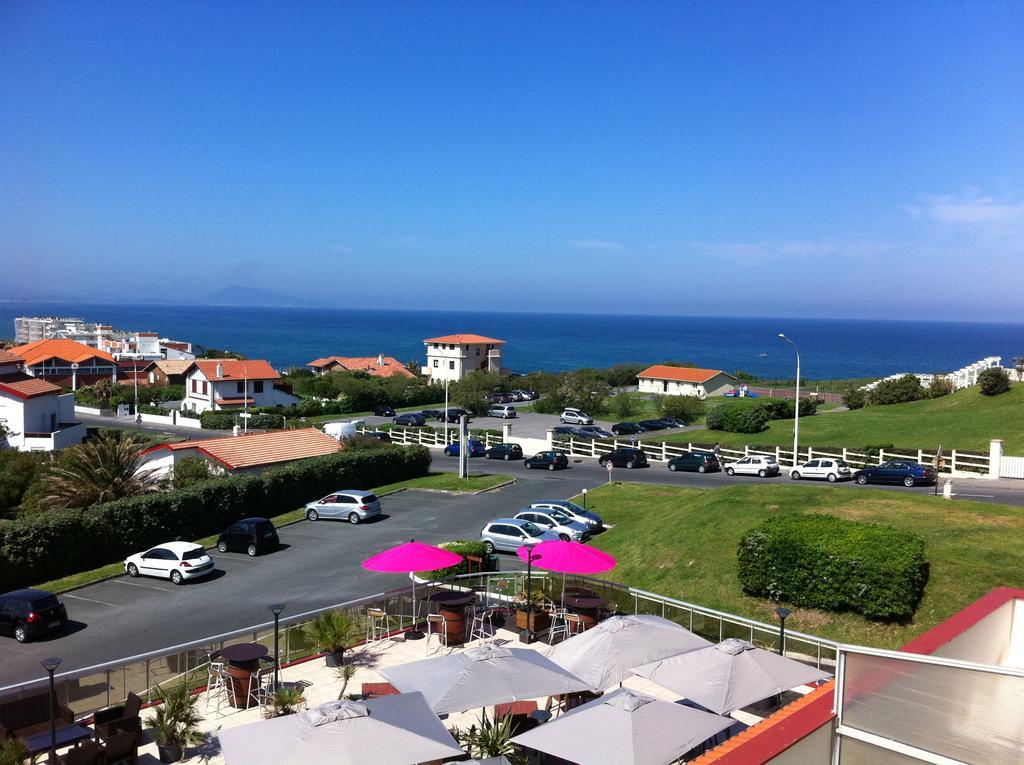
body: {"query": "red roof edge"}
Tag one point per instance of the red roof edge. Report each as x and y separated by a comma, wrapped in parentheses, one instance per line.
(197, 447)
(962, 620)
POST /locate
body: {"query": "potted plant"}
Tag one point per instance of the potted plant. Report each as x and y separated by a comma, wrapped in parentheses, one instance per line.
(334, 632)
(285, 701)
(175, 723)
(490, 739)
(536, 619)
(13, 752)
(345, 673)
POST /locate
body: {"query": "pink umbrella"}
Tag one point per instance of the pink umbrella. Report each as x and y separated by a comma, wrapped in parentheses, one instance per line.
(567, 557)
(409, 557)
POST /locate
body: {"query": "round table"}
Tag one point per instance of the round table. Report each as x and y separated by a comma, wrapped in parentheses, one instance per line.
(452, 606)
(243, 660)
(586, 607)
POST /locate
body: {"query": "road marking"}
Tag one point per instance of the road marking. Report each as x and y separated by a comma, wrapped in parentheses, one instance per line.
(136, 584)
(986, 496)
(91, 600)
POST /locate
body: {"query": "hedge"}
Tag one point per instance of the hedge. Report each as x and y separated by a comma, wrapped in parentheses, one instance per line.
(57, 543)
(820, 561)
(463, 547)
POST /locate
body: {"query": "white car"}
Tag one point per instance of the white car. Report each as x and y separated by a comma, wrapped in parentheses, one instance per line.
(504, 411)
(566, 528)
(831, 469)
(753, 465)
(576, 417)
(176, 561)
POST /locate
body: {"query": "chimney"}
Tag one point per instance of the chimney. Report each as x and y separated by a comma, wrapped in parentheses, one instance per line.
(380, 359)
(220, 371)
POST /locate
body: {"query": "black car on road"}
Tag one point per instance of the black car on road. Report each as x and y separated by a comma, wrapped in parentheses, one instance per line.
(700, 462)
(452, 415)
(249, 535)
(432, 414)
(410, 419)
(504, 452)
(566, 430)
(383, 410)
(550, 460)
(628, 428)
(27, 614)
(626, 457)
(906, 472)
(653, 424)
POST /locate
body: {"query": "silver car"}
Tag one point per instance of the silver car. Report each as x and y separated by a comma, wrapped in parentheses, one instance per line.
(576, 417)
(753, 465)
(560, 523)
(349, 505)
(510, 534)
(504, 411)
(571, 509)
(831, 470)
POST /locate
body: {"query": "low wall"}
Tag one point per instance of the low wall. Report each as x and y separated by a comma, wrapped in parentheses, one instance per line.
(92, 410)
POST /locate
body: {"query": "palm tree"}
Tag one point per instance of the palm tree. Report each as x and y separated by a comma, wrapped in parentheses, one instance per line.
(105, 468)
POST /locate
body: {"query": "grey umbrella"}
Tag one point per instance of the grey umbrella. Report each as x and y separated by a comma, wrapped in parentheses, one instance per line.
(390, 730)
(605, 655)
(481, 677)
(624, 727)
(729, 675)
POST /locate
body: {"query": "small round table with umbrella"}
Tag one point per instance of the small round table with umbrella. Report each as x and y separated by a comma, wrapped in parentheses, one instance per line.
(408, 558)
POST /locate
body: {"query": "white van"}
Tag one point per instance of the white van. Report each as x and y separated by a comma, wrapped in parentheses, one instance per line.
(340, 430)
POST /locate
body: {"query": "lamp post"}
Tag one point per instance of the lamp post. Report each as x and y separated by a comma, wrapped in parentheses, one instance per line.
(245, 398)
(526, 636)
(783, 612)
(445, 418)
(584, 499)
(796, 408)
(276, 610)
(50, 665)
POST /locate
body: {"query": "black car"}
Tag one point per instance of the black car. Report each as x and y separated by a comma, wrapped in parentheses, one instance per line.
(380, 435)
(27, 614)
(675, 422)
(249, 535)
(628, 428)
(452, 415)
(552, 460)
(626, 457)
(906, 472)
(652, 424)
(501, 398)
(566, 430)
(504, 452)
(383, 410)
(701, 462)
(432, 414)
(595, 431)
(410, 419)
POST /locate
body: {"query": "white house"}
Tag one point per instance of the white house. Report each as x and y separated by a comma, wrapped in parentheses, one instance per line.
(452, 357)
(685, 381)
(35, 415)
(217, 384)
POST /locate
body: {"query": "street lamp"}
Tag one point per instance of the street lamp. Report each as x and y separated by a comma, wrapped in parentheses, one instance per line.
(276, 610)
(584, 499)
(445, 418)
(50, 665)
(796, 408)
(783, 612)
(527, 636)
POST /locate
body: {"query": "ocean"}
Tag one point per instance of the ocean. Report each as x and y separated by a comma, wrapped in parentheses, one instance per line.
(829, 348)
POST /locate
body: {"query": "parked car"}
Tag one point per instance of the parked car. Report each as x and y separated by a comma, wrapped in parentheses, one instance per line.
(831, 470)
(652, 424)
(566, 528)
(520, 395)
(452, 415)
(504, 411)
(504, 452)
(27, 614)
(475, 448)
(383, 410)
(510, 534)
(177, 561)
(571, 509)
(380, 435)
(249, 535)
(676, 422)
(624, 456)
(432, 414)
(596, 431)
(349, 505)
(552, 460)
(566, 430)
(410, 419)
(701, 462)
(896, 471)
(501, 398)
(628, 428)
(737, 393)
(753, 465)
(576, 417)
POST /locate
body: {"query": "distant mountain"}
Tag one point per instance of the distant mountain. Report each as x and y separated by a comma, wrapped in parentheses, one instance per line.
(236, 295)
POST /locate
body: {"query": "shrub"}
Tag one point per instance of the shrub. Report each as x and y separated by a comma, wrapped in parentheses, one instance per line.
(61, 542)
(855, 398)
(17, 472)
(819, 561)
(736, 417)
(689, 409)
(463, 547)
(994, 381)
(899, 391)
(941, 386)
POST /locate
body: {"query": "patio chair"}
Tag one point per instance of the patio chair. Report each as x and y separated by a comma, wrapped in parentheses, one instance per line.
(559, 626)
(260, 683)
(86, 753)
(573, 624)
(481, 626)
(376, 626)
(122, 747)
(107, 722)
(218, 686)
(436, 625)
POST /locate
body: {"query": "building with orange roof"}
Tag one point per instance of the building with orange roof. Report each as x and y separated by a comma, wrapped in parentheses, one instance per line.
(233, 384)
(66, 363)
(451, 357)
(685, 381)
(377, 366)
(35, 415)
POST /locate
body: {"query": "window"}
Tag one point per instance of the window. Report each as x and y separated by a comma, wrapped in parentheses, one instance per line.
(451, 365)
(195, 387)
(257, 387)
(240, 387)
(478, 350)
(205, 388)
(436, 363)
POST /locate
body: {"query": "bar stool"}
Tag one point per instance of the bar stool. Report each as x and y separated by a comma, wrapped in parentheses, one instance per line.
(216, 681)
(482, 627)
(573, 624)
(436, 625)
(376, 626)
(259, 686)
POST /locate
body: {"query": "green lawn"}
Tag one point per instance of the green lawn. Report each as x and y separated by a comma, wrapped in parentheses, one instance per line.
(963, 420)
(682, 543)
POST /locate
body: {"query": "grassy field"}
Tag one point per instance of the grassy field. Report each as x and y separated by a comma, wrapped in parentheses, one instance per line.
(682, 543)
(963, 420)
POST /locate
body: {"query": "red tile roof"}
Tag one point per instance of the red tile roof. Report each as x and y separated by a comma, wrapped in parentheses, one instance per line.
(390, 368)
(464, 340)
(6, 357)
(233, 369)
(24, 387)
(56, 348)
(682, 374)
(173, 366)
(258, 449)
(240, 401)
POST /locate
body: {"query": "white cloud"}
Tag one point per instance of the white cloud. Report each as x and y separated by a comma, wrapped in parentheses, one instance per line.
(972, 211)
(596, 244)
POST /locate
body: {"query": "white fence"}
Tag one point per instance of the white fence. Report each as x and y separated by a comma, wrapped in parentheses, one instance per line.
(1011, 467)
(438, 440)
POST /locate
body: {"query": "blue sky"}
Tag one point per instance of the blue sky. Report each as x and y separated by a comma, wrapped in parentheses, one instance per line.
(859, 160)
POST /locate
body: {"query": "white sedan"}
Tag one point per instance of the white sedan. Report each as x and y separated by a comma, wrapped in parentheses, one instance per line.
(753, 465)
(831, 470)
(176, 561)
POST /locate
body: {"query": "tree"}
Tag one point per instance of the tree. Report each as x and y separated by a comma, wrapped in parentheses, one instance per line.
(583, 390)
(105, 468)
(17, 472)
(898, 391)
(191, 470)
(624, 405)
(994, 381)
(940, 386)
(216, 353)
(472, 390)
(855, 398)
(686, 408)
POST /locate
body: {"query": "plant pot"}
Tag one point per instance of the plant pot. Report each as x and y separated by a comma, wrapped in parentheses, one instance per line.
(170, 752)
(537, 621)
(334, 658)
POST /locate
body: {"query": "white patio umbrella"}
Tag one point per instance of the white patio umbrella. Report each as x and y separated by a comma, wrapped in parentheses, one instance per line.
(605, 655)
(625, 727)
(482, 677)
(729, 675)
(390, 730)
